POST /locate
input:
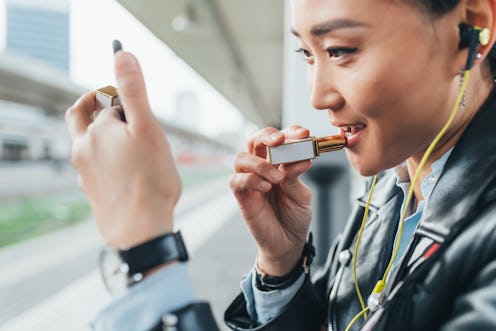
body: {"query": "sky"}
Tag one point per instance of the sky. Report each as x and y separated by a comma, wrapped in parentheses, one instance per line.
(95, 23)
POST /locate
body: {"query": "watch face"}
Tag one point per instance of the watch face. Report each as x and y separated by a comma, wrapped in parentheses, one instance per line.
(113, 271)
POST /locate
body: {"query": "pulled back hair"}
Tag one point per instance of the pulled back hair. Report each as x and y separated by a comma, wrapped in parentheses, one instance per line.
(440, 7)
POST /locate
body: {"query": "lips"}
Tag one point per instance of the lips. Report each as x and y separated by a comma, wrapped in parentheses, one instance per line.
(351, 130)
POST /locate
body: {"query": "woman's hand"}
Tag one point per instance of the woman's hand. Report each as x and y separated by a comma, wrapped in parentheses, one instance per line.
(125, 168)
(273, 200)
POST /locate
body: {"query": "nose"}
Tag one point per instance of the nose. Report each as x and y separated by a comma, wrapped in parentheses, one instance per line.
(323, 88)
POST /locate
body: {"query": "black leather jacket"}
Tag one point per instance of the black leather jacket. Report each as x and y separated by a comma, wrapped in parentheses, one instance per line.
(445, 281)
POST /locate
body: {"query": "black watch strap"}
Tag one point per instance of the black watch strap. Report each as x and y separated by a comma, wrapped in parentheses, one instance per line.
(166, 248)
(266, 282)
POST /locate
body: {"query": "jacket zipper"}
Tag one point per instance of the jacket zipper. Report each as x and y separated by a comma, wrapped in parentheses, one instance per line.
(344, 259)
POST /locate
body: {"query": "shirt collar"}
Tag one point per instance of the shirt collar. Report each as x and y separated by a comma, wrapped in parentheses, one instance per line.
(427, 185)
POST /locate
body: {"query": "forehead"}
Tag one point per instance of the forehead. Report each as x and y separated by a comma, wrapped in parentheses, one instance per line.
(306, 14)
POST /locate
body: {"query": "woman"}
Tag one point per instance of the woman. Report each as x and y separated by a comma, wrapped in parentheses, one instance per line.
(388, 73)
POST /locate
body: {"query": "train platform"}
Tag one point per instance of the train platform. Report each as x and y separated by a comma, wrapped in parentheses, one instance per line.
(53, 283)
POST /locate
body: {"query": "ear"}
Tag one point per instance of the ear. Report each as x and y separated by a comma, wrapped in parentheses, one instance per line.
(482, 13)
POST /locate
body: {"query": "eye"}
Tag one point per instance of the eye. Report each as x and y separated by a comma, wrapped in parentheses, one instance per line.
(306, 54)
(337, 53)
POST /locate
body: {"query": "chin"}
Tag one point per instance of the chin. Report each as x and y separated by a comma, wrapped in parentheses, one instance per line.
(365, 169)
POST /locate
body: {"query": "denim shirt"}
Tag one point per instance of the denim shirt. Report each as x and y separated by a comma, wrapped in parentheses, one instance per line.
(144, 304)
(427, 185)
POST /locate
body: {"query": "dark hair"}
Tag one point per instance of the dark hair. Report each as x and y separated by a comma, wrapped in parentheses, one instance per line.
(440, 7)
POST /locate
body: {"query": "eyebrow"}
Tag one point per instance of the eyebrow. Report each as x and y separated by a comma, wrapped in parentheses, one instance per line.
(326, 27)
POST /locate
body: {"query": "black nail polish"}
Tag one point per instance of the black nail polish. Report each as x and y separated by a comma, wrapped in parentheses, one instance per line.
(116, 44)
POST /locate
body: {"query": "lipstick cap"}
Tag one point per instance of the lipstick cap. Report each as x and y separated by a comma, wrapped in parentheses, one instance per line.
(305, 149)
(107, 97)
(292, 151)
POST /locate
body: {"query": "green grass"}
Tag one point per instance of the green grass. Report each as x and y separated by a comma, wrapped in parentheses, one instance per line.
(29, 217)
(26, 218)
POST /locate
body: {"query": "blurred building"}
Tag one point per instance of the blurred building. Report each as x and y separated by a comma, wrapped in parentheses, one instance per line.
(36, 30)
(28, 134)
(39, 29)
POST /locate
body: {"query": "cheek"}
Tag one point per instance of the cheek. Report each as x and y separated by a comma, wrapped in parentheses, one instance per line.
(395, 73)
(387, 90)
(388, 141)
(398, 123)
(396, 91)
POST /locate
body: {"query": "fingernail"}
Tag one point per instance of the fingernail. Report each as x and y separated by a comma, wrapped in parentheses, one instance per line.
(301, 130)
(275, 135)
(116, 45)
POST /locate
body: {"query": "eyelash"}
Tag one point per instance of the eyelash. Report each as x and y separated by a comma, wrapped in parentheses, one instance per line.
(342, 51)
(306, 54)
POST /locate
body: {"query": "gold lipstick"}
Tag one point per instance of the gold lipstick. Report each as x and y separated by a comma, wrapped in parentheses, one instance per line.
(107, 97)
(304, 149)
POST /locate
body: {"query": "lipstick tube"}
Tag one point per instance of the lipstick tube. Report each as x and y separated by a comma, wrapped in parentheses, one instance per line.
(107, 97)
(305, 149)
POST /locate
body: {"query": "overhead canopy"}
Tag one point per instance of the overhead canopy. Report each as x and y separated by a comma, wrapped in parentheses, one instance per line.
(236, 45)
(28, 82)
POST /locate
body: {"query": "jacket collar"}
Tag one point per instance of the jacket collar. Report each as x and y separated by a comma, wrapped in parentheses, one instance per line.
(469, 173)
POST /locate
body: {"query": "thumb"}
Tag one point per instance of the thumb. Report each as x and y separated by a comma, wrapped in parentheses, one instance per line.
(292, 172)
(131, 88)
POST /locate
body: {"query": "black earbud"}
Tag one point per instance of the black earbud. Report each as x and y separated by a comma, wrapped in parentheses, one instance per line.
(470, 37)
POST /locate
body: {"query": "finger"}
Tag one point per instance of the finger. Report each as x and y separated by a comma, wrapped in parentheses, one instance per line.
(109, 114)
(132, 90)
(293, 171)
(293, 186)
(242, 182)
(258, 142)
(248, 163)
(77, 118)
(116, 111)
(296, 132)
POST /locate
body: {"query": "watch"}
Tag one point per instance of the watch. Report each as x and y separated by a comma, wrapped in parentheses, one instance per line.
(122, 268)
(266, 282)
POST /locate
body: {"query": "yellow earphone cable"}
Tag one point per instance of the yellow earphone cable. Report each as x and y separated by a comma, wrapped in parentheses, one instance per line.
(381, 284)
(355, 254)
(357, 316)
(426, 156)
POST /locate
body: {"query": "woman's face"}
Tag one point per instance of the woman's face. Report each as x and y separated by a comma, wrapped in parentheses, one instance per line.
(386, 73)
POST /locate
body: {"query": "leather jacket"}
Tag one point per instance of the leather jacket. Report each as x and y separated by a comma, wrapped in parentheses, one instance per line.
(446, 280)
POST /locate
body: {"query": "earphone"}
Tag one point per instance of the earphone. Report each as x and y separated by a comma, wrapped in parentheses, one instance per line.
(470, 37)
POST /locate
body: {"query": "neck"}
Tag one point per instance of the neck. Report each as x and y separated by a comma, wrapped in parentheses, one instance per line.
(479, 93)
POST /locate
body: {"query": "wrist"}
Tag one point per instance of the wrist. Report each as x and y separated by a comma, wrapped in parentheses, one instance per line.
(136, 230)
(269, 282)
(280, 265)
(130, 266)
